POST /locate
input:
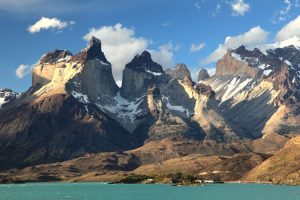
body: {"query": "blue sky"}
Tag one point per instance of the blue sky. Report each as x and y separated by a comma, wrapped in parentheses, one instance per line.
(167, 28)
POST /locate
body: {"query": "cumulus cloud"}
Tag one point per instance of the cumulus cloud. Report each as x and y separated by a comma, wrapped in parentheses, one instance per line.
(289, 30)
(49, 23)
(120, 45)
(255, 36)
(164, 55)
(196, 47)
(23, 70)
(239, 7)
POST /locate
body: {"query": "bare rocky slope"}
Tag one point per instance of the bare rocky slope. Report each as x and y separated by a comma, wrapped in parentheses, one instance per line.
(282, 168)
(76, 117)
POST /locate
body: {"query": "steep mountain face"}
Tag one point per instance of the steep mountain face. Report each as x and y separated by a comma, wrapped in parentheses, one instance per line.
(166, 124)
(74, 107)
(230, 66)
(258, 91)
(55, 129)
(6, 96)
(58, 118)
(203, 74)
(141, 73)
(180, 71)
(282, 168)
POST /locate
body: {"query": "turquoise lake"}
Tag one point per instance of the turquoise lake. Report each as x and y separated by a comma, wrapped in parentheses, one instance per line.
(98, 191)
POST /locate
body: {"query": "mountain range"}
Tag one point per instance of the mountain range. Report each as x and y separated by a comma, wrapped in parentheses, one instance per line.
(75, 122)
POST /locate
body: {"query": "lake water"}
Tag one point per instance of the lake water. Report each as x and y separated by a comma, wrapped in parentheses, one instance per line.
(98, 191)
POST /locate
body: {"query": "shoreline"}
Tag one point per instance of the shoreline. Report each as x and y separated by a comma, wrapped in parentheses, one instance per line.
(156, 183)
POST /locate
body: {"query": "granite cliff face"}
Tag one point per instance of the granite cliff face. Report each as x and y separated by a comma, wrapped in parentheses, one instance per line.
(282, 168)
(58, 118)
(139, 74)
(180, 71)
(203, 74)
(6, 96)
(261, 92)
(250, 107)
(230, 66)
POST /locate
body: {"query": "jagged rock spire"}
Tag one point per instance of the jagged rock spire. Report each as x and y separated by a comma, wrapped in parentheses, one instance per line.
(92, 52)
(144, 62)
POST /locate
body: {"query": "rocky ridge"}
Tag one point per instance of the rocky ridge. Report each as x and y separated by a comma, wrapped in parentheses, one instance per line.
(249, 107)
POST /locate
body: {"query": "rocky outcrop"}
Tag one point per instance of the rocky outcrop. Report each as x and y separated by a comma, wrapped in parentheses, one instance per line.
(75, 108)
(162, 123)
(87, 73)
(258, 103)
(203, 74)
(56, 56)
(282, 168)
(231, 66)
(6, 96)
(57, 128)
(92, 52)
(44, 71)
(179, 71)
(141, 73)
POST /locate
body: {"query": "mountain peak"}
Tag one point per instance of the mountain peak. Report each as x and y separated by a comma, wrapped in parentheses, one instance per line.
(92, 52)
(94, 41)
(203, 74)
(56, 56)
(146, 55)
(144, 63)
(179, 71)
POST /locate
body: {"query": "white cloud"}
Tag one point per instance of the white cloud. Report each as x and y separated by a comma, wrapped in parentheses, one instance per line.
(164, 55)
(23, 70)
(295, 40)
(289, 30)
(196, 47)
(239, 7)
(49, 23)
(211, 71)
(255, 36)
(281, 15)
(120, 45)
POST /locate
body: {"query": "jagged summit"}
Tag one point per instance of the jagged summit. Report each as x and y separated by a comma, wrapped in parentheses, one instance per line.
(6, 96)
(94, 41)
(140, 73)
(203, 74)
(56, 56)
(92, 52)
(179, 71)
(75, 108)
(144, 63)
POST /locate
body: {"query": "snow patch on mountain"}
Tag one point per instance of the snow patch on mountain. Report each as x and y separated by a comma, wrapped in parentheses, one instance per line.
(7, 95)
(175, 108)
(267, 72)
(235, 86)
(123, 108)
(81, 98)
(154, 73)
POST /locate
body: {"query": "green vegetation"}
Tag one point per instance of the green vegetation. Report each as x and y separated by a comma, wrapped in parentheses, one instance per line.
(134, 178)
(178, 179)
